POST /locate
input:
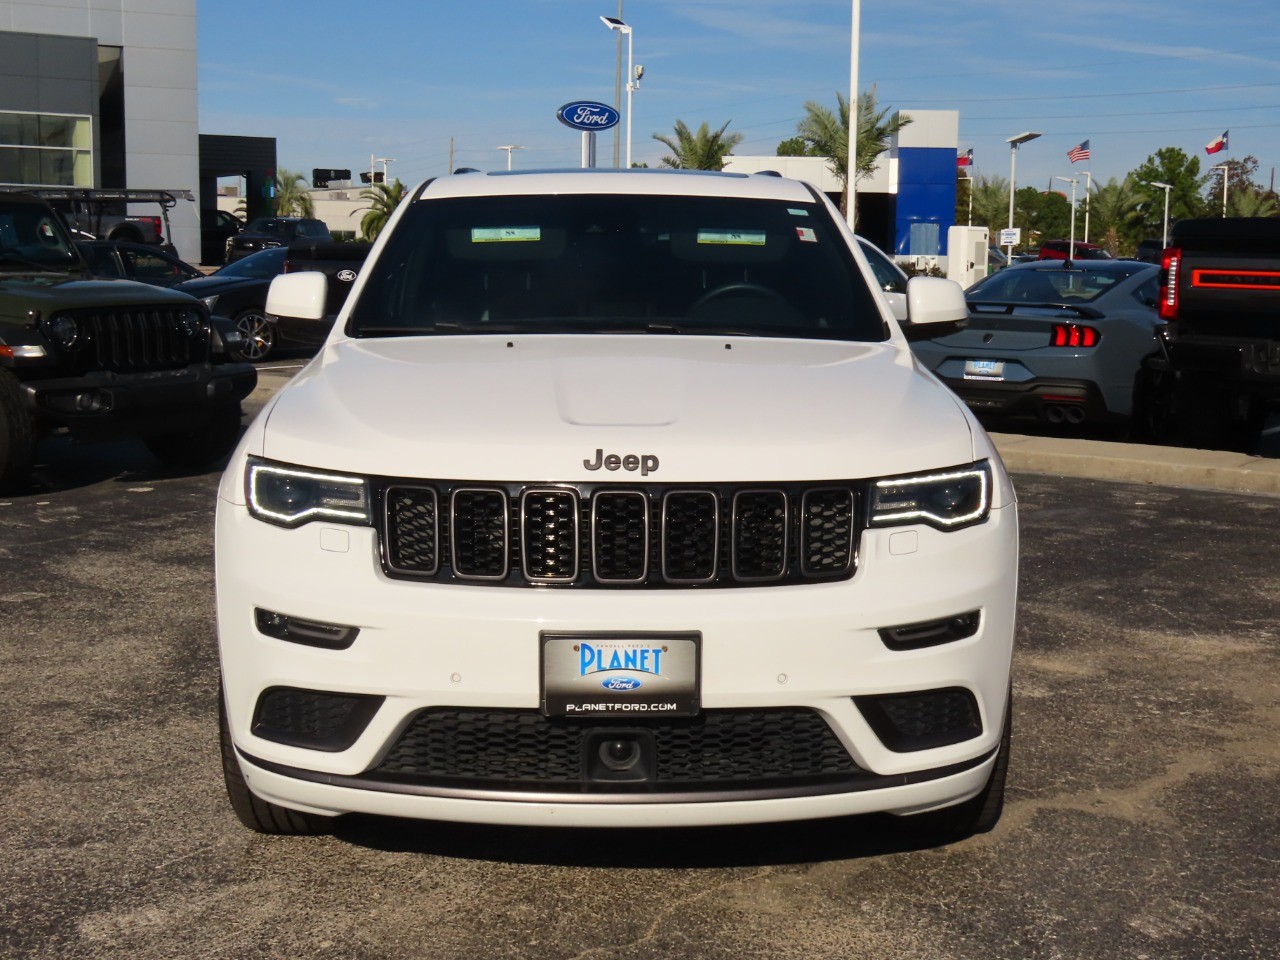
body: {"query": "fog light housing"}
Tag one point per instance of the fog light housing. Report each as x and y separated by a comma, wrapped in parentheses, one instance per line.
(312, 633)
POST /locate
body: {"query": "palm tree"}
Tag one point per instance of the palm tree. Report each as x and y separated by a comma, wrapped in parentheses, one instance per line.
(702, 150)
(1249, 202)
(292, 198)
(1115, 214)
(827, 132)
(383, 199)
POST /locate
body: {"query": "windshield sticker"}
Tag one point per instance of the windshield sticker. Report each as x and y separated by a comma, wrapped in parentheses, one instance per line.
(797, 213)
(806, 234)
(741, 238)
(505, 234)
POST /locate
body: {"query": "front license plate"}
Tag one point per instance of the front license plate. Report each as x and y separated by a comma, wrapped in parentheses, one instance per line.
(984, 369)
(620, 674)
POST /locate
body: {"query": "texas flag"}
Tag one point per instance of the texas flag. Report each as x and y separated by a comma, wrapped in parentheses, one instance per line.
(1219, 144)
(965, 159)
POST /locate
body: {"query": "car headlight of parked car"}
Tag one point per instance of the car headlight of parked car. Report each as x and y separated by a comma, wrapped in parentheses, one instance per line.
(291, 496)
(946, 499)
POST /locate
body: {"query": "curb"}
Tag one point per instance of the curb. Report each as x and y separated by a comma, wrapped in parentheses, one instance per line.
(1061, 456)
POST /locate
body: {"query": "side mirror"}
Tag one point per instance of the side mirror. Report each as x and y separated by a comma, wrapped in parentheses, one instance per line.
(298, 295)
(935, 307)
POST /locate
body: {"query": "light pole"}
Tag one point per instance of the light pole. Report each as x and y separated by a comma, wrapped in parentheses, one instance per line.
(1166, 187)
(1088, 199)
(633, 73)
(1071, 244)
(1226, 173)
(1014, 143)
(384, 161)
(510, 148)
(851, 173)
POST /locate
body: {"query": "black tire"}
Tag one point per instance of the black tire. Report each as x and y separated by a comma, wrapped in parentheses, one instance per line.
(259, 335)
(17, 435)
(979, 814)
(1206, 414)
(205, 444)
(261, 816)
(1151, 420)
(126, 235)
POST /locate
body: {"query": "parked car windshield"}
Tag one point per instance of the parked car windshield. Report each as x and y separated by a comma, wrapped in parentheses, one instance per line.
(257, 266)
(617, 264)
(274, 227)
(1051, 285)
(30, 235)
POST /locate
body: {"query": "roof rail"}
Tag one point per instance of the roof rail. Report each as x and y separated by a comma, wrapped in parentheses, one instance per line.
(466, 170)
(768, 173)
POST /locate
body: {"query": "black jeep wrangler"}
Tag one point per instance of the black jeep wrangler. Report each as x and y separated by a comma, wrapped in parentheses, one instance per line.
(103, 359)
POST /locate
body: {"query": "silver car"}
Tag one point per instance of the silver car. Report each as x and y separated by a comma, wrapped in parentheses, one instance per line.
(1055, 340)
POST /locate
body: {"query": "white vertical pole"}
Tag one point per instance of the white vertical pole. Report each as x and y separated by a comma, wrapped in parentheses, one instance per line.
(631, 86)
(1088, 193)
(851, 179)
(1013, 184)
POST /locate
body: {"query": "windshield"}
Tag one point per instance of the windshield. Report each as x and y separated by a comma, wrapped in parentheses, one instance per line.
(257, 266)
(31, 236)
(272, 227)
(617, 264)
(1053, 285)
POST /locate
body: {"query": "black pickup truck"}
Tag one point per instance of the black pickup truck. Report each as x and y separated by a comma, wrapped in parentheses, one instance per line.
(103, 359)
(1220, 293)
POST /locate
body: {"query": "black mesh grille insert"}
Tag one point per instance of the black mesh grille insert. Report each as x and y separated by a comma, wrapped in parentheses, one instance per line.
(524, 749)
(414, 537)
(549, 532)
(615, 536)
(922, 720)
(313, 718)
(690, 536)
(620, 531)
(760, 535)
(827, 532)
(479, 527)
(133, 340)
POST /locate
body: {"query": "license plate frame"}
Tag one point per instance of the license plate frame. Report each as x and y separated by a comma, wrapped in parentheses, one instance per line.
(628, 674)
(977, 369)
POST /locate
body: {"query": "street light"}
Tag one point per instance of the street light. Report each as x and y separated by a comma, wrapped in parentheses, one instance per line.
(1226, 173)
(1071, 244)
(510, 148)
(1014, 143)
(1166, 187)
(851, 173)
(633, 73)
(1088, 195)
(384, 161)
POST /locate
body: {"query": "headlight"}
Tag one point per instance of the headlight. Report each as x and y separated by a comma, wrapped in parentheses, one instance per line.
(946, 499)
(209, 301)
(63, 330)
(192, 322)
(290, 496)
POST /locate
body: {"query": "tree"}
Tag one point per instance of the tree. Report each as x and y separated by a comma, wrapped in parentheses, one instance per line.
(797, 147)
(1251, 202)
(1169, 165)
(702, 150)
(827, 134)
(1114, 215)
(292, 198)
(383, 199)
(990, 203)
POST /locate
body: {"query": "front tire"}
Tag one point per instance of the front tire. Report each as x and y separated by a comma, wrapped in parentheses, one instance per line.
(17, 435)
(261, 816)
(259, 335)
(978, 814)
(206, 444)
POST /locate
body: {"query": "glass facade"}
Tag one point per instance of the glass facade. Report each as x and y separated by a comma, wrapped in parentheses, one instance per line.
(46, 149)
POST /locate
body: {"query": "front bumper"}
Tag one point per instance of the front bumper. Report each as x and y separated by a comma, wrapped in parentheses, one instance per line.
(105, 406)
(422, 646)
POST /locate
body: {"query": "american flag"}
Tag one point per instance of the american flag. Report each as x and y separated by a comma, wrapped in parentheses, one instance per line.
(1081, 152)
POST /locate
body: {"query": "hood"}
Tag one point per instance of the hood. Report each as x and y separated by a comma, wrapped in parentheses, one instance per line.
(213, 284)
(47, 292)
(546, 408)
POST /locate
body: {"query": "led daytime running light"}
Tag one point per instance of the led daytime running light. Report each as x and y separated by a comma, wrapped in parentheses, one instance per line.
(263, 511)
(981, 473)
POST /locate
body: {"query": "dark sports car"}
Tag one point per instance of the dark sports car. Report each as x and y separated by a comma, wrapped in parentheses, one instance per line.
(239, 291)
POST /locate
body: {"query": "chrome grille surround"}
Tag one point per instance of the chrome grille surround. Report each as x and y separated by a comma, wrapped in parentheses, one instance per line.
(599, 535)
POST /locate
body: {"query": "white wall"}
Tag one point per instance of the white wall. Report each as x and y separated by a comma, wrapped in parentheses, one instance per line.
(162, 143)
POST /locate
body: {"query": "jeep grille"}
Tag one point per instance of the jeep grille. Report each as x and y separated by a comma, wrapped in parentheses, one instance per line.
(137, 339)
(597, 535)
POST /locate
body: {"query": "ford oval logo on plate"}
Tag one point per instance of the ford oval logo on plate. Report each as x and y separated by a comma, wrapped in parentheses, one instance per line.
(621, 683)
(588, 115)
(346, 276)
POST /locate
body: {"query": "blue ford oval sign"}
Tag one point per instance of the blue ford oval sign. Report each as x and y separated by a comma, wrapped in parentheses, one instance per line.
(621, 683)
(588, 115)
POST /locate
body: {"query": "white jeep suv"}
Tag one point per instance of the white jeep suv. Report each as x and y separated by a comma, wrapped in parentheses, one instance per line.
(616, 498)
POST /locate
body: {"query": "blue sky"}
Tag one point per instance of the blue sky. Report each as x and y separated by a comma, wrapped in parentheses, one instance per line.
(334, 82)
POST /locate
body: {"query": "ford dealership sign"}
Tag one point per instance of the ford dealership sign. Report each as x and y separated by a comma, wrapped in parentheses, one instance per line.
(587, 115)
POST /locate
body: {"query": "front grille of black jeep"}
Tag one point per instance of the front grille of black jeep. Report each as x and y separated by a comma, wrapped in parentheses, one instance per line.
(508, 749)
(600, 535)
(136, 340)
